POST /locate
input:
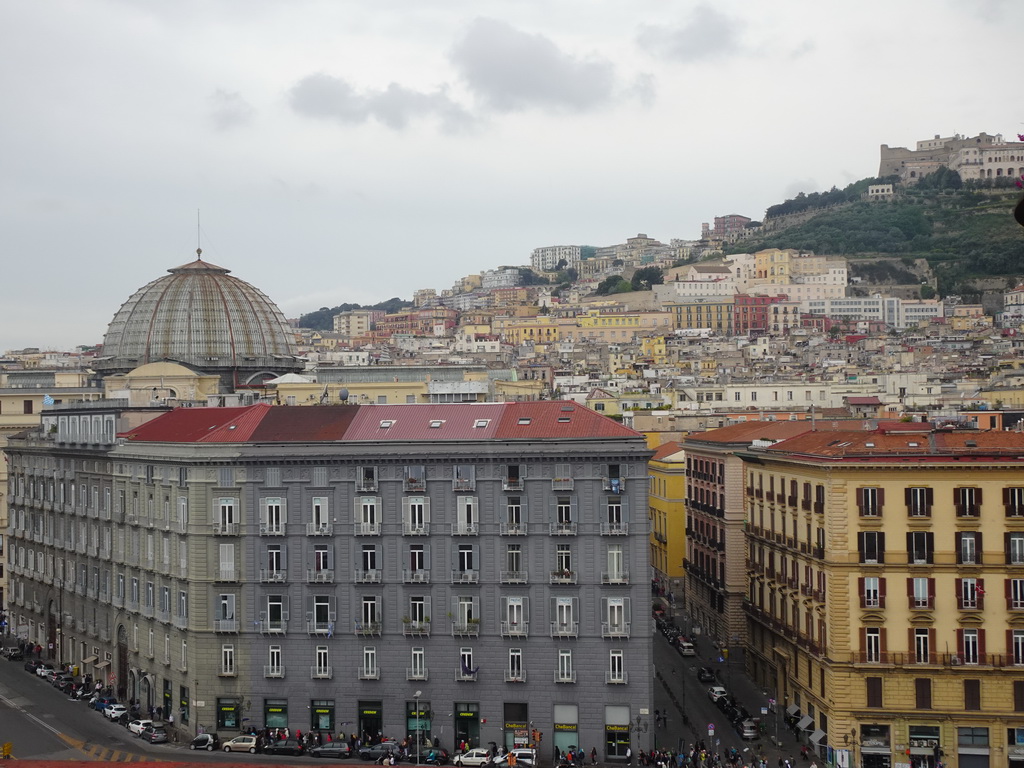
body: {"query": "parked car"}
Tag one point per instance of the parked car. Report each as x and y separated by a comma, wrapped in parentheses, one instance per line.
(284, 747)
(524, 757)
(473, 757)
(706, 675)
(432, 755)
(716, 692)
(13, 653)
(242, 744)
(687, 649)
(62, 681)
(32, 665)
(749, 730)
(336, 749)
(155, 734)
(99, 703)
(375, 752)
(44, 669)
(138, 726)
(114, 711)
(207, 741)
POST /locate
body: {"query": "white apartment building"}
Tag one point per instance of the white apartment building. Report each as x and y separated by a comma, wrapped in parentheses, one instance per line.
(546, 259)
(898, 313)
(505, 277)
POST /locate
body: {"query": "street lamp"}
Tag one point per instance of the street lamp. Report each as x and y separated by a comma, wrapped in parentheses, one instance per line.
(416, 697)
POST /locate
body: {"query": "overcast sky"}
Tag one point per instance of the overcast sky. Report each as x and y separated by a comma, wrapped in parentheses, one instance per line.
(344, 151)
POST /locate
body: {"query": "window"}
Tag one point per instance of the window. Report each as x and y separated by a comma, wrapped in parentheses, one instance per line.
(276, 617)
(871, 638)
(369, 669)
(466, 669)
(922, 644)
(874, 691)
(417, 562)
(970, 645)
(419, 610)
(417, 515)
(466, 564)
(871, 545)
(1018, 696)
(923, 692)
(1014, 548)
(368, 524)
(227, 660)
(275, 563)
(921, 590)
(565, 673)
(370, 568)
(973, 737)
(274, 666)
(466, 516)
(225, 520)
(564, 515)
(465, 477)
(1016, 638)
(967, 501)
(970, 593)
(515, 666)
(416, 478)
(872, 592)
(563, 563)
(616, 617)
(972, 702)
(870, 501)
(320, 513)
(919, 501)
(968, 547)
(367, 479)
(1013, 501)
(371, 614)
(417, 665)
(564, 613)
(616, 671)
(1015, 594)
(225, 617)
(272, 516)
(514, 519)
(322, 563)
(920, 547)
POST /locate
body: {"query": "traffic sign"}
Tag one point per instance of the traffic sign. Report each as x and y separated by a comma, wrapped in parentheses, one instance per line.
(711, 729)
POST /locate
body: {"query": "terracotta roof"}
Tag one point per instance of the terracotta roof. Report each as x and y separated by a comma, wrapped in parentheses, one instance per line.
(665, 450)
(263, 423)
(887, 444)
(748, 431)
(872, 400)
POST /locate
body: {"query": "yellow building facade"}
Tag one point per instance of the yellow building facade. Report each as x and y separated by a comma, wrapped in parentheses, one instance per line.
(886, 593)
(668, 524)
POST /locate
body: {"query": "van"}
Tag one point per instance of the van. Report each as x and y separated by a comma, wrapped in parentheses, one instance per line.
(749, 730)
(687, 649)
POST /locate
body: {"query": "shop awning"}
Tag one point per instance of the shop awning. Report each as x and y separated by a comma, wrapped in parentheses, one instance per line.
(805, 722)
(103, 664)
(89, 660)
(793, 710)
(817, 736)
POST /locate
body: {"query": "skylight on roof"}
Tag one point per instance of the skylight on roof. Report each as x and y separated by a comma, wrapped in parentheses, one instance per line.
(435, 423)
(385, 423)
(564, 419)
(481, 423)
(524, 420)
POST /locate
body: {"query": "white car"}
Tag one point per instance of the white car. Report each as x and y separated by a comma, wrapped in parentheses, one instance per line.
(715, 692)
(473, 757)
(687, 649)
(524, 757)
(137, 726)
(114, 711)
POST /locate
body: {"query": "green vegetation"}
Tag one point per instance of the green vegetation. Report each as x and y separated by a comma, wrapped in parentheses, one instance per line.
(820, 200)
(323, 318)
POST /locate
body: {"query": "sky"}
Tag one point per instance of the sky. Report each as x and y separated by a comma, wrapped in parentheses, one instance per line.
(332, 151)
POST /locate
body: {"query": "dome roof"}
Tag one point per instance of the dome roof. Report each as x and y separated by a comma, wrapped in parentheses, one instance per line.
(202, 317)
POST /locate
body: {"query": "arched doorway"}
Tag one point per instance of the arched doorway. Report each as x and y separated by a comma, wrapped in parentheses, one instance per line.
(120, 681)
(133, 686)
(145, 693)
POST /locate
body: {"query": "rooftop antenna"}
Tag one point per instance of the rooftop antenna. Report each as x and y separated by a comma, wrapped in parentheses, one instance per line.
(199, 235)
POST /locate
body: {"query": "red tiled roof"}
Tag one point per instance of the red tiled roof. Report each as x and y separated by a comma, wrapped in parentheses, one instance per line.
(884, 444)
(665, 450)
(263, 423)
(872, 400)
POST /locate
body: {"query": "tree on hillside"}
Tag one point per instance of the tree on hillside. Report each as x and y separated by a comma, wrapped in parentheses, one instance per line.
(613, 284)
(588, 251)
(528, 277)
(645, 277)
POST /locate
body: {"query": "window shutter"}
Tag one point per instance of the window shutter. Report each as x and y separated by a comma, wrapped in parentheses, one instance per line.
(881, 592)
(931, 645)
(977, 496)
(1018, 695)
(330, 558)
(285, 603)
(981, 593)
(263, 511)
(860, 591)
(860, 499)
(959, 587)
(959, 537)
(309, 609)
(929, 547)
(284, 558)
(426, 557)
(624, 501)
(929, 494)
(1009, 646)
(910, 546)
(910, 592)
(911, 644)
(908, 497)
(1006, 496)
(960, 642)
(981, 644)
(979, 550)
(881, 498)
(862, 545)
(263, 617)
(931, 593)
(573, 510)
(881, 547)
(1008, 594)
(426, 607)
(958, 494)
(1006, 545)
(604, 609)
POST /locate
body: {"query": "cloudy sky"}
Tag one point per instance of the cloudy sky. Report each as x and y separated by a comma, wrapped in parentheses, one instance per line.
(351, 151)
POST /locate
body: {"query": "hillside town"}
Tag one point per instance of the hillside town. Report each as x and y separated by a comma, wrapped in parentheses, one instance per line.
(816, 476)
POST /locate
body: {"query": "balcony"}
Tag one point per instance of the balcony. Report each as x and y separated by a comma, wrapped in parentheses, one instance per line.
(225, 625)
(415, 673)
(414, 485)
(465, 676)
(271, 576)
(319, 529)
(415, 529)
(515, 628)
(321, 576)
(563, 577)
(465, 529)
(227, 574)
(416, 628)
(469, 628)
(221, 528)
(615, 577)
(271, 529)
(420, 576)
(367, 628)
(465, 577)
(614, 485)
(515, 676)
(615, 678)
(512, 484)
(366, 529)
(562, 484)
(372, 576)
(512, 577)
(565, 676)
(512, 529)
(163, 616)
(464, 484)
(273, 671)
(614, 529)
(320, 627)
(565, 628)
(366, 485)
(273, 627)
(615, 630)
(321, 673)
(563, 529)
(369, 673)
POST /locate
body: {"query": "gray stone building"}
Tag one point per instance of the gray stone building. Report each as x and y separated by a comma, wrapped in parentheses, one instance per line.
(465, 571)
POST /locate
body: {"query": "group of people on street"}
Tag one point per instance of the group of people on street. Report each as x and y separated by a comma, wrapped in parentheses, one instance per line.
(573, 757)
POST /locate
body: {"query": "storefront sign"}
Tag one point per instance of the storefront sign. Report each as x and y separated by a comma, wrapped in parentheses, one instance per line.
(370, 712)
(565, 726)
(620, 728)
(509, 725)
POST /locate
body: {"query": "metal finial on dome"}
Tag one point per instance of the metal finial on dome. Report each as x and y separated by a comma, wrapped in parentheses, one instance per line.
(199, 254)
